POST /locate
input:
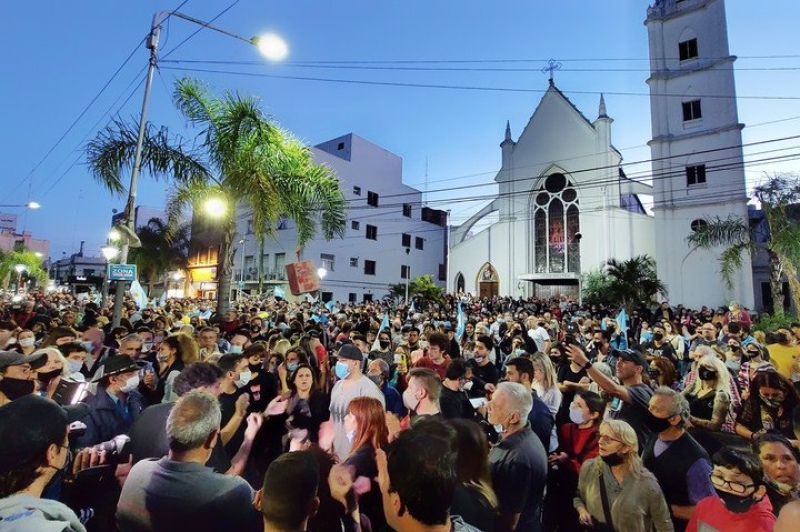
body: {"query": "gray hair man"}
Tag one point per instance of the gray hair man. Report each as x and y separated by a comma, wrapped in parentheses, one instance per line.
(178, 490)
(518, 463)
(680, 464)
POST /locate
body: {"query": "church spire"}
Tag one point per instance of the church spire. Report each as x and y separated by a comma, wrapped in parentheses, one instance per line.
(602, 113)
(508, 130)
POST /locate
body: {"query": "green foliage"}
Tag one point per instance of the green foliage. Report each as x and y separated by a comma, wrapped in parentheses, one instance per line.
(770, 322)
(422, 287)
(595, 287)
(162, 250)
(32, 263)
(632, 281)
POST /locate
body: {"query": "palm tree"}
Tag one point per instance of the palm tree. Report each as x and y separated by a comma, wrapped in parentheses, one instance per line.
(162, 250)
(781, 243)
(633, 281)
(239, 156)
(32, 263)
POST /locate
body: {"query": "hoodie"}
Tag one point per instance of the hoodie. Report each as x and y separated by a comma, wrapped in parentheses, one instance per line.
(25, 513)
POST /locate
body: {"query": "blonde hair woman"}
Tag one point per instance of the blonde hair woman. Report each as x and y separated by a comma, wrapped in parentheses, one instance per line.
(710, 396)
(545, 383)
(615, 491)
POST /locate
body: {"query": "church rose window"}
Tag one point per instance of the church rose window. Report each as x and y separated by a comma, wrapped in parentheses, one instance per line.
(556, 221)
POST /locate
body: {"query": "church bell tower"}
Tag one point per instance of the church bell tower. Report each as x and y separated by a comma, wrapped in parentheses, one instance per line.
(696, 148)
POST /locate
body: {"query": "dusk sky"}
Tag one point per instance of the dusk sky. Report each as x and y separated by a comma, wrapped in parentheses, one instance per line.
(431, 81)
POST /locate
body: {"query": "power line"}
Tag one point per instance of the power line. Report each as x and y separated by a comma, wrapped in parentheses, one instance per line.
(465, 87)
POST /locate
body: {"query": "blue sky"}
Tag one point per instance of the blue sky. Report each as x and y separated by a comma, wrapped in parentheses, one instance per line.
(60, 54)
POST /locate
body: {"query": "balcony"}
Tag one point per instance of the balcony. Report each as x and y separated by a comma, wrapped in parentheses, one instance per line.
(267, 276)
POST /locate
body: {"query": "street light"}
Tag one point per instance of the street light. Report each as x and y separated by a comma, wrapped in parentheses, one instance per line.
(30, 205)
(215, 207)
(267, 45)
(19, 268)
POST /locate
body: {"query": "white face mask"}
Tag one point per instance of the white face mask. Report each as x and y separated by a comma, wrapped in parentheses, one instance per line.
(162, 357)
(244, 378)
(27, 342)
(131, 384)
(576, 416)
(350, 435)
(74, 365)
(467, 386)
(236, 349)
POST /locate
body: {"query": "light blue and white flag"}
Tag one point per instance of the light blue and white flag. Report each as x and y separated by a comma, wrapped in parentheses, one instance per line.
(376, 345)
(461, 324)
(138, 294)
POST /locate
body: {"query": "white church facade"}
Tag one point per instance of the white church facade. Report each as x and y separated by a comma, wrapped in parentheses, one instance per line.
(565, 206)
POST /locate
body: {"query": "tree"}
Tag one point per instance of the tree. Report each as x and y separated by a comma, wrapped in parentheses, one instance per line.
(33, 266)
(781, 243)
(162, 250)
(422, 287)
(632, 281)
(239, 156)
(595, 287)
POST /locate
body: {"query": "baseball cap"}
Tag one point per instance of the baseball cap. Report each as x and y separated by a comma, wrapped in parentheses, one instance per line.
(119, 364)
(350, 352)
(31, 424)
(13, 358)
(572, 328)
(632, 356)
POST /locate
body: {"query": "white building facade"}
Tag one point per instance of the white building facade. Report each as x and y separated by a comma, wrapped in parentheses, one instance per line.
(390, 237)
(697, 161)
(564, 207)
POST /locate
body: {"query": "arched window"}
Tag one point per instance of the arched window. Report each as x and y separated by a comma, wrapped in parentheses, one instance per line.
(556, 222)
(460, 282)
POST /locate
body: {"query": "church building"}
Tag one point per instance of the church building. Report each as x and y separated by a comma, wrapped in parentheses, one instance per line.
(565, 205)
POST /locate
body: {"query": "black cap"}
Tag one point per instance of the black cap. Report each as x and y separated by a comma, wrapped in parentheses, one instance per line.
(572, 328)
(350, 352)
(119, 364)
(13, 358)
(30, 424)
(633, 356)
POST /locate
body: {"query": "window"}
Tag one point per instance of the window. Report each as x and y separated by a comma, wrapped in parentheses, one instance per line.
(326, 261)
(340, 146)
(367, 297)
(434, 216)
(406, 240)
(355, 225)
(691, 110)
(404, 271)
(249, 227)
(697, 224)
(442, 272)
(351, 297)
(372, 232)
(372, 199)
(687, 50)
(369, 267)
(354, 262)
(695, 175)
(419, 242)
(407, 210)
(357, 191)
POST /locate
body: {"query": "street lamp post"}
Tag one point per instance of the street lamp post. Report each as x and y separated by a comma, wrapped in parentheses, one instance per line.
(271, 47)
(109, 252)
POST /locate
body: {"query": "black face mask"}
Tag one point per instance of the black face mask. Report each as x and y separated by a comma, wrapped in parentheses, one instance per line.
(657, 424)
(706, 374)
(737, 504)
(254, 367)
(612, 459)
(46, 377)
(658, 337)
(16, 388)
(654, 373)
(384, 343)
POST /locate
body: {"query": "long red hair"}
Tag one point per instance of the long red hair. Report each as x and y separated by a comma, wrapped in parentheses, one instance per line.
(370, 423)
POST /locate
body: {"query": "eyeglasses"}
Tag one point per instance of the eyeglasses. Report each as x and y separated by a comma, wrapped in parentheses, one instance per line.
(735, 487)
(607, 439)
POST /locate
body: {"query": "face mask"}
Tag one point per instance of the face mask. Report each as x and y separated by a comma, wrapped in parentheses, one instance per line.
(26, 342)
(654, 373)
(74, 366)
(612, 459)
(706, 374)
(273, 368)
(291, 366)
(147, 346)
(244, 378)
(658, 336)
(749, 355)
(410, 401)
(668, 329)
(384, 343)
(342, 370)
(772, 402)
(478, 359)
(47, 376)
(88, 345)
(161, 357)
(734, 347)
(519, 352)
(737, 504)
(500, 428)
(576, 416)
(236, 349)
(350, 435)
(467, 386)
(657, 424)
(131, 384)
(375, 378)
(16, 388)
(254, 367)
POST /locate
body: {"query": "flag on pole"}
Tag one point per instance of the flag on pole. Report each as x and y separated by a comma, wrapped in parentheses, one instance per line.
(163, 300)
(138, 294)
(461, 324)
(622, 324)
(279, 292)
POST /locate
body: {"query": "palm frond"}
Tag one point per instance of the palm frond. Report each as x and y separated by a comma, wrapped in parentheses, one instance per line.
(717, 232)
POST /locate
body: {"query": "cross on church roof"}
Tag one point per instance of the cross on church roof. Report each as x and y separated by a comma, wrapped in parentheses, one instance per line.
(551, 67)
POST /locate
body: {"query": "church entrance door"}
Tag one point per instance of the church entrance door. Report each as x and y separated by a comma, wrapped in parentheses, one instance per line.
(489, 289)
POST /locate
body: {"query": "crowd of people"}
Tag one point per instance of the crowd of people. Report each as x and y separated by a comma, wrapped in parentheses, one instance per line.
(459, 415)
